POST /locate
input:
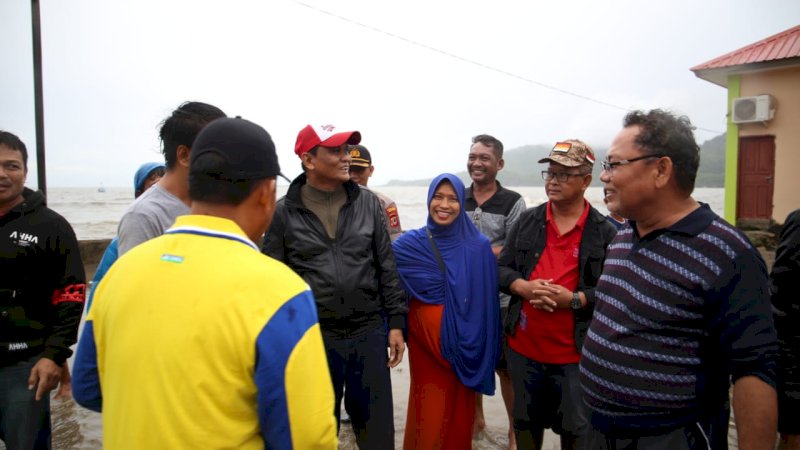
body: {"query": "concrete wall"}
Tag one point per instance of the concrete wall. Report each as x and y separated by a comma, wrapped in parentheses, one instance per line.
(91, 252)
(784, 86)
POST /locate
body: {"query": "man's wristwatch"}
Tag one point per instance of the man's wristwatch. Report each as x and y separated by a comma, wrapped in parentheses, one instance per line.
(576, 301)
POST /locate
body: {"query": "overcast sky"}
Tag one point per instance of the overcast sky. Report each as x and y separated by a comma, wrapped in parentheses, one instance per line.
(418, 78)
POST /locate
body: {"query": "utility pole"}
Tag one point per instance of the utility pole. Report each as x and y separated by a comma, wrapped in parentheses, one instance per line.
(38, 96)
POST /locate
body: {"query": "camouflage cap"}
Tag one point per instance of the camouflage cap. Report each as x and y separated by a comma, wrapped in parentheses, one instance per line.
(571, 153)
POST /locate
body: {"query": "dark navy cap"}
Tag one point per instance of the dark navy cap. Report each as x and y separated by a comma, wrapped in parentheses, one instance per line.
(245, 150)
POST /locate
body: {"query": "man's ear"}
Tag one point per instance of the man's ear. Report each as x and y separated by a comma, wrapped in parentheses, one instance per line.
(308, 160)
(587, 181)
(266, 203)
(371, 169)
(184, 153)
(664, 169)
(501, 164)
(268, 192)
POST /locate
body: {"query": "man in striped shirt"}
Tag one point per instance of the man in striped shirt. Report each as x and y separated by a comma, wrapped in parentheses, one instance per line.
(682, 307)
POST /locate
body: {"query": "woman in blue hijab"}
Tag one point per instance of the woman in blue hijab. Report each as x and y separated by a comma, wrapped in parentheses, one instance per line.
(450, 274)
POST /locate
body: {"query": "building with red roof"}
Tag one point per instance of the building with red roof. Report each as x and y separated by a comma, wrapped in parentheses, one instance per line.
(762, 158)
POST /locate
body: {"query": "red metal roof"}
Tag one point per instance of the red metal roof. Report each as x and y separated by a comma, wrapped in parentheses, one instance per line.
(783, 45)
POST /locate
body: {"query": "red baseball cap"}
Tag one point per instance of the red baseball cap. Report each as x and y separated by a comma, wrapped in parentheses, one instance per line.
(312, 136)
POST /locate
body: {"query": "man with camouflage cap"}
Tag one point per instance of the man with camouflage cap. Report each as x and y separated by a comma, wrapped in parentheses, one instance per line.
(550, 264)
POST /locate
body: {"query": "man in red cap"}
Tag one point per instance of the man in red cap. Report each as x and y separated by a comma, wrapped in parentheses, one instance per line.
(332, 233)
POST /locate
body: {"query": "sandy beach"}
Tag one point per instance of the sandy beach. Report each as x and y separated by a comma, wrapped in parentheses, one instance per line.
(77, 428)
(495, 436)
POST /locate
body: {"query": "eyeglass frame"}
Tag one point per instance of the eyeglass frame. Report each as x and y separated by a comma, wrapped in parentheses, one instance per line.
(609, 166)
(561, 177)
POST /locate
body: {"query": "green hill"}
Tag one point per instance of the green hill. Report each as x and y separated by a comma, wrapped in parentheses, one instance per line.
(522, 167)
(712, 163)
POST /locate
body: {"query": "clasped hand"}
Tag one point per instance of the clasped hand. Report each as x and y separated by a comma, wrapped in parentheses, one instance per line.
(543, 294)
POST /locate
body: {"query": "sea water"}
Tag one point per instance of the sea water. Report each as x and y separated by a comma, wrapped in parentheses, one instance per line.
(95, 215)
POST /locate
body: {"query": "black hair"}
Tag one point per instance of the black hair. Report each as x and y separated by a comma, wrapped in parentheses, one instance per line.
(160, 171)
(11, 141)
(206, 184)
(664, 133)
(182, 126)
(490, 141)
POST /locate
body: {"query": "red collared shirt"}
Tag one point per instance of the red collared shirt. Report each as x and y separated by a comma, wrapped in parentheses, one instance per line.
(548, 337)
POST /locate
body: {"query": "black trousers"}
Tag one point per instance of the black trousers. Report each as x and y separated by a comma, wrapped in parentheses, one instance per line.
(360, 374)
(690, 437)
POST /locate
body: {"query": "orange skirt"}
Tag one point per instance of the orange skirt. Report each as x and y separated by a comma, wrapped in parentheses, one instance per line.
(441, 410)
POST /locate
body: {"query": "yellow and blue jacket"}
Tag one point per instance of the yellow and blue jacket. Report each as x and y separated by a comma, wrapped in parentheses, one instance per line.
(197, 340)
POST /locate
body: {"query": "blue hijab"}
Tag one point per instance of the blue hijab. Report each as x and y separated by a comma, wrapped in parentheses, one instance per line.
(144, 171)
(470, 334)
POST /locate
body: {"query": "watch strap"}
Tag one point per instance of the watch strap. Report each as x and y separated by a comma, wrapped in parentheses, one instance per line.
(576, 301)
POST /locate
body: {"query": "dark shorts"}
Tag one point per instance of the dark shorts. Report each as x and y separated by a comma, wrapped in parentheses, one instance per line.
(547, 396)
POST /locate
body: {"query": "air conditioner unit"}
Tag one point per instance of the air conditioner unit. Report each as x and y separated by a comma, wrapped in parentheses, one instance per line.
(759, 108)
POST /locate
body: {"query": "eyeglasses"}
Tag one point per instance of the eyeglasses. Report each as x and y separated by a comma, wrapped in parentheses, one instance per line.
(609, 166)
(560, 176)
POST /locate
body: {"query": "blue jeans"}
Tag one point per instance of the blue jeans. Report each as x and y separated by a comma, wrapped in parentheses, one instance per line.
(358, 367)
(547, 396)
(24, 422)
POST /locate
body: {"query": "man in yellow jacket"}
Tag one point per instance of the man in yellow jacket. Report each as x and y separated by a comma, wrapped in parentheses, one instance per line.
(196, 339)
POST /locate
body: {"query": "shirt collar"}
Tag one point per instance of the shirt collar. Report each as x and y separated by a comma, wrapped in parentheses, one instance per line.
(212, 226)
(691, 224)
(468, 191)
(580, 224)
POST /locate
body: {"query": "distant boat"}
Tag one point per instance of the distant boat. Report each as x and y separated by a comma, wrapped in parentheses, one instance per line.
(101, 189)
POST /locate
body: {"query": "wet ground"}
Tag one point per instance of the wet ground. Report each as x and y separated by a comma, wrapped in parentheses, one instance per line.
(77, 428)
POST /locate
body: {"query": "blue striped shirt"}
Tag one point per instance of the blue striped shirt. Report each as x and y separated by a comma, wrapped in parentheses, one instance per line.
(678, 313)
